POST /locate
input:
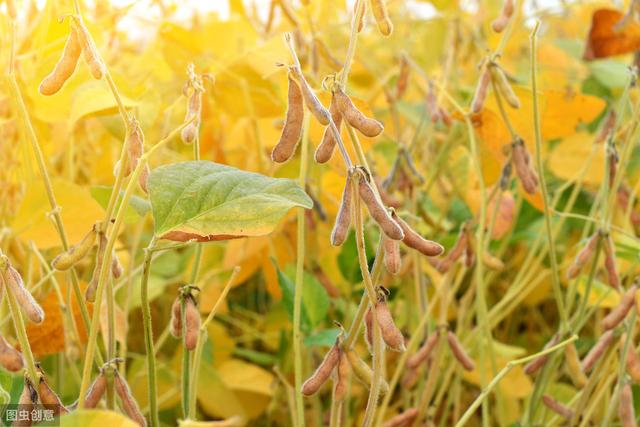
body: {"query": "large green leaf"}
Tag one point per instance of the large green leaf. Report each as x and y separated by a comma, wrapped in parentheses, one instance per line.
(315, 301)
(208, 201)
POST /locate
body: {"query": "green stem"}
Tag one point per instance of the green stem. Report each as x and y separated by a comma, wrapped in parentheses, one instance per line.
(148, 334)
(297, 302)
(186, 359)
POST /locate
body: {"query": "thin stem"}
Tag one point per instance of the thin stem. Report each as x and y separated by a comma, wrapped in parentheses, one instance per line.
(186, 359)
(555, 274)
(148, 334)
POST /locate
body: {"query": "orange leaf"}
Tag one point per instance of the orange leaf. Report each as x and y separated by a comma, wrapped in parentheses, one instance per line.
(608, 38)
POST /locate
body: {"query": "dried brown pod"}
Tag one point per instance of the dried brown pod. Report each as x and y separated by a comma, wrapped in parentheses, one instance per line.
(175, 327)
(626, 412)
(135, 144)
(362, 16)
(607, 127)
(65, 67)
(363, 372)
(323, 372)
(365, 125)
(26, 402)
(610, 262)
(573, 366)
(459, 249)
(194, 114)
(96, 391)
(391, 335)
(387, 198)
(632, 363)
(143, 179)
(28, 305)
(537, 363)
(311, 100)
(392, 259)
(619, 312)
(459, 352)
(343, 219)
(583, 256)
(89, 50)
(116, 266)
(192, 323)
(557, 407)
(596, 352)
(129, 404)
(482, 89)
(504, 87)
(416, 241)
(328, 144)
(90, 292)
(378, 212)
(50, 398)
(10, 358)
(292, 129)
(492, 262)
(341, 378)
(500, 23)
(402, 419)
(381, 14)
(424, 352)
(403, 77)
(75, 253)
(522, 164)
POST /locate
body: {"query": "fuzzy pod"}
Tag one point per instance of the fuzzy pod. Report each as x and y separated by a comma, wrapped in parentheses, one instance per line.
(312, 102)
(363, 372)
(191, 323)
(573, 366)
(378, 212)
(416, 241)
(387, 198)
(583, 256)
(403, 77)
(292, 129)
(626, 412)
(65, 67)
(343, 219)
(96, 391)
(557, 407)
(424, 352)
(392, 258)
(504, 87)
(341, 378)
(135, 145)
(116, 266)
(74, 254)
(500, 23)
(610, 263)
(368, 328)
(522, 164)
(402, 419)
(10, 358)
(143, 179)
(194, 112)
(537, 363)
(89, 50)
(323, 372)
(482, 89)
(619, 312)
(328, 144)
(50, 398)
(26, 402)
(605, 340)
(632, 363)
(175, 327)
(90, 292)
(23, 297)
(459, 352)
(360, 23)
(410, 378)
(381, 14)
(391, 335)
(492, 262)
(365, 125)
(129, 404)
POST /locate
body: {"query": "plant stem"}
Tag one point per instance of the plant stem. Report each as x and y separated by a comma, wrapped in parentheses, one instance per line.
(297, 301)
(148, 334)
(510, 365)
(555, 274)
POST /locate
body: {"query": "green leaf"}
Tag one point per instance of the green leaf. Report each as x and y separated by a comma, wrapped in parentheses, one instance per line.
(611, 74)
(324, 338)
(315, 301)
(136, 208)
(208, 201)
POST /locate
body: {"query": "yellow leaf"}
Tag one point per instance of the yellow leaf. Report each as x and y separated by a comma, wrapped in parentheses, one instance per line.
(515, 384)
(578, 156)
(95, 98)
(95, 418)
(79, 212)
